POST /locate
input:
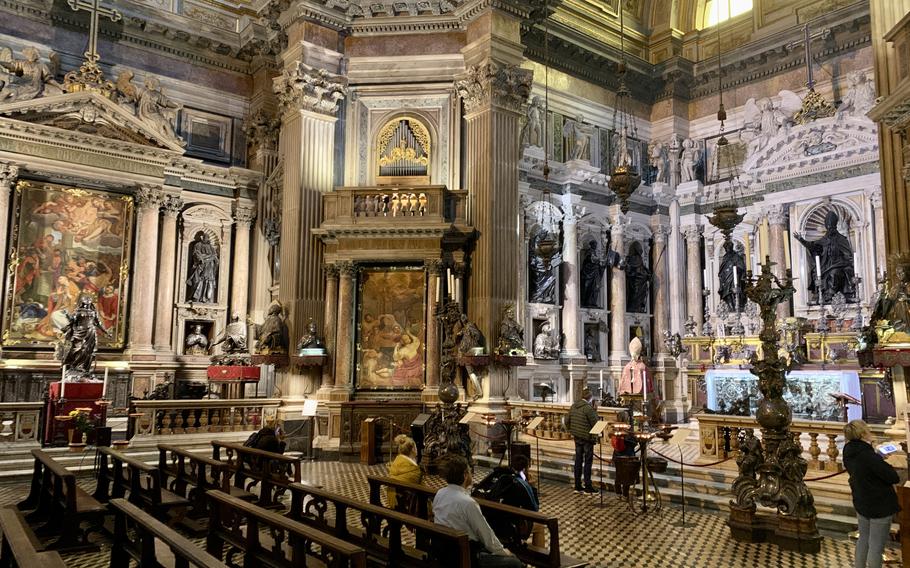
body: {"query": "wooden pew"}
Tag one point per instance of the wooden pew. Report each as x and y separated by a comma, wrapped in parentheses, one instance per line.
(296, 545)
(436, 545)
(141, 546)
(527, 553)
(16, 548)
(138, 481)
(56, 499)
(272, 472)
(190, 475)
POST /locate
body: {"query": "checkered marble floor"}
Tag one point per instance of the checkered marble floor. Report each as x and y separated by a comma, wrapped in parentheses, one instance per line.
(609, 537)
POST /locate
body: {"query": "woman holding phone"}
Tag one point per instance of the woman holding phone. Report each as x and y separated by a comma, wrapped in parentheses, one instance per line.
(872, 482)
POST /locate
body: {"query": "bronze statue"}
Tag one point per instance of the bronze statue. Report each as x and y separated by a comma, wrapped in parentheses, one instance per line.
(592, 273)
(203, 279)
(638, 280)
(541, 275)
(310, 341)
(469, 336)
(511, 335)
(80, 342)
(234, 336)
(732, 289)
(836, 259)
(272, 334)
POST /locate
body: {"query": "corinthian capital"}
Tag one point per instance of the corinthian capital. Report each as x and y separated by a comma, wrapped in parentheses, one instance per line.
(497, 84)
(693, 232)
(172, 206)
(308, 88)
(244, 215)
(149, 196)
(777, 214)
(8, 175)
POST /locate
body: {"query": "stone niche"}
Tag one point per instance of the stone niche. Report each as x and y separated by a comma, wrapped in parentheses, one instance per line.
(214, 222)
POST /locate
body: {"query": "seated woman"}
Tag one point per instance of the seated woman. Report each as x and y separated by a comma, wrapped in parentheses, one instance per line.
(269, 438)
(404, 468)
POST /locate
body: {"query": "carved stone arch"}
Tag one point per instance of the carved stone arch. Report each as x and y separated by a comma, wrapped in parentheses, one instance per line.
(423, 138)
(215, 222)
(812, 222)
(641, 233)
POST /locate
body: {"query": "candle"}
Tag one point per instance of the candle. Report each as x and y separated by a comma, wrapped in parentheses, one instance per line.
(856, 264)
(763, 240)
(449, 282)
(704, 276)
(601, 382)
(644, 387)
(735, 277)
(458, 290)
(818, 271)
(104, 388)
(787, 249)
(748, 242)
(437, 289)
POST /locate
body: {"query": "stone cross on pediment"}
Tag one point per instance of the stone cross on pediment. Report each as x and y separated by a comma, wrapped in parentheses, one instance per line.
(95, 10)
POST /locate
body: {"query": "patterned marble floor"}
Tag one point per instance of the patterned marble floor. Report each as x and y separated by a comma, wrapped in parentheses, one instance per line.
(610, 536)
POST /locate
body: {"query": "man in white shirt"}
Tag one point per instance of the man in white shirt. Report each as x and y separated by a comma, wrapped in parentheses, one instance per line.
(454, 507)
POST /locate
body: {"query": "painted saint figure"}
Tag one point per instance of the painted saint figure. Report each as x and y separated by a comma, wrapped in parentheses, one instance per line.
(80, 342)
(203, 278)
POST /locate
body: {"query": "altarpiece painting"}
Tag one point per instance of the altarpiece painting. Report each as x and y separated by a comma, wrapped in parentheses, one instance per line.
(391, 328)
(66, 242)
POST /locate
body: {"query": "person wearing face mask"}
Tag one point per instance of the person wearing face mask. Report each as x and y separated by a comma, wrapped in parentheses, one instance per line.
(872, 481)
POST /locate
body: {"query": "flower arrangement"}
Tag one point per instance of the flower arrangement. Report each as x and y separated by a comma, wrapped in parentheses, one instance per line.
(81, 420)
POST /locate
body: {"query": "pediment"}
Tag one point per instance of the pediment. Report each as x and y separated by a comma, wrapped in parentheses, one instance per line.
(90, 113)
(823, 144)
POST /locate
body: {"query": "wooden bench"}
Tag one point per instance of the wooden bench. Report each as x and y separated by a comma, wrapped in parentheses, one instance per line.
(436, 545)
(272, 472)
(138, 481)
(141, 546)
(16, 547)
(55, 498)
(190, 475)
(527, 553)
(293, 544)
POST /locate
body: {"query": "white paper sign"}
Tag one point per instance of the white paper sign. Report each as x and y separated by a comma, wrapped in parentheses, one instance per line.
(309, 407)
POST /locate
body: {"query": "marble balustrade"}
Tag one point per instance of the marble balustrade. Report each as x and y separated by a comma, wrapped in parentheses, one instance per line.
(176, 417)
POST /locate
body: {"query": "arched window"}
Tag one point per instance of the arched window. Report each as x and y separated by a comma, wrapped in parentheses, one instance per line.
(717, 11)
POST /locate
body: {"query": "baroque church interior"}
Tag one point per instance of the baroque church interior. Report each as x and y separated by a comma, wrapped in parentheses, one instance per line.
(260, 252)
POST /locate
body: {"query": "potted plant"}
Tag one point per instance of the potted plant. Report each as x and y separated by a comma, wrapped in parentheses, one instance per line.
(82, 425)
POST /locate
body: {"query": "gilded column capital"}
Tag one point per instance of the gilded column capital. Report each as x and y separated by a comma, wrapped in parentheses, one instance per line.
(434, 266)
(244, 215)
(149, 196)
(331, 270)
(693, 232)
(778, 214)
(347, 269)
(172, 205)
(496, 84)
(8, 175)
(303, 87)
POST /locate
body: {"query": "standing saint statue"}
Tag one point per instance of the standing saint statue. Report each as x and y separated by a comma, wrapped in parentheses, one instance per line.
(541, 276)
(592, 270)
(688, 160)
(531, 133)
(638, 280)
(80, 342)
(581, 135)
(203, 271)
(732, 287)
(835, 256)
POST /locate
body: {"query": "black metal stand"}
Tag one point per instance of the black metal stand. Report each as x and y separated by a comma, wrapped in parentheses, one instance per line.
(537, 459)
(682, 489)
(601, 460)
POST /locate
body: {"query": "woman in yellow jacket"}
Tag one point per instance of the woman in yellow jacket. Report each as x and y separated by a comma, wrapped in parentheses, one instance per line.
(404, 468)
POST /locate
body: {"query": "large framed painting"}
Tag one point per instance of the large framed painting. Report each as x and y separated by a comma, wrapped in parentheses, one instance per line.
(66, 242)
(391, 328)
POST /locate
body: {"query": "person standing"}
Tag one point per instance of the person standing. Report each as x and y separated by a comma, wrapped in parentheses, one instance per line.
(580, 420)
(872, 482)
(454, 507)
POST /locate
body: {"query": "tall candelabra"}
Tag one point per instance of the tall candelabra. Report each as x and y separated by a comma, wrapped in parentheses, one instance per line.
(771, 470)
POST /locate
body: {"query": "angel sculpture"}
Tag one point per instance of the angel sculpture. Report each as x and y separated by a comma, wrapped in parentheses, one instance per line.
(657, 160)
(765, 119)
(28, 78)
(689, 158)
(127, 92)
(860, 97)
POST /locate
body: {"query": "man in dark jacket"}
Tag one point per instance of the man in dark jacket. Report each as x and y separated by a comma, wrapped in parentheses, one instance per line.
(872, 482)
(580, 420)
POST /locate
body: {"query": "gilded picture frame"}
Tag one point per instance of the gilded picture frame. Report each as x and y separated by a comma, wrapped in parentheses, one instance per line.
(66, 242)
(391, 328)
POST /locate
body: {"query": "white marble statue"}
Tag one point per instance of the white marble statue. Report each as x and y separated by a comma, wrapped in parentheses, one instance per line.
(860, 97)
(581, 133)
(156, 109)
(657, 160)
(28, 78)
(546, 346)
(688, 160)
(766, 119)
(674, 148)
(622, 157)
(532, 132)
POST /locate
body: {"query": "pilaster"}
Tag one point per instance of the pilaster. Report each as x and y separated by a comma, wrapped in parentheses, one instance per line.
(167, 256)
(778, 221)
(244, 215)
(618, 347)
(145, 272)
(8, 175)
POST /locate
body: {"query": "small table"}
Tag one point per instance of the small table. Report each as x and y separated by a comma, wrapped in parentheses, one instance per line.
(232, 378)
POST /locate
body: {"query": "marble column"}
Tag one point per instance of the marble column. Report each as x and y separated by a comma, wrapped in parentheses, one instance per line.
(618, 343)
(778, 219)
(243, 220)
(8, 175)
(434, 273)
(694, 284)
(167, 257)
(878, 229)
(660, 289)
(306, 144)
(494, 89)
(570, 318)
(331, 324)
(344, 337)
(145, 268)
(677, 277)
